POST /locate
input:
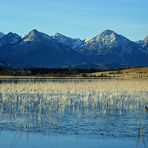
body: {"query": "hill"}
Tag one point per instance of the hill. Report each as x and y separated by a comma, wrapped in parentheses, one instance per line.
(133, 72)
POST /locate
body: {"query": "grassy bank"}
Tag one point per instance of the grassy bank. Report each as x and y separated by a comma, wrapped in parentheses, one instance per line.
(133, 72)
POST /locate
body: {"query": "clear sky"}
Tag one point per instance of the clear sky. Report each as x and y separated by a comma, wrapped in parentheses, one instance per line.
(75, 18)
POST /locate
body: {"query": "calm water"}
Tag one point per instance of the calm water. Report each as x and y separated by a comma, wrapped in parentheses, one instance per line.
(62, 120)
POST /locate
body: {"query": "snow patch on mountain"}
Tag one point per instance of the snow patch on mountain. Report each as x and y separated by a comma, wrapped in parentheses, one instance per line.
(143, 43)
(67, 41)
(35, 35)
(41, 50)
(108, 38)
(103, 42)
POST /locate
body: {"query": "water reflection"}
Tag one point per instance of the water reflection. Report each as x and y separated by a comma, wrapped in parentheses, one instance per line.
(146, 108)
(72, 115)
(140, 136)
(15, 139)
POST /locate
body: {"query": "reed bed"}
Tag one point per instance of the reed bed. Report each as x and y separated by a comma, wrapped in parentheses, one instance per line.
(107, 91)
(32, 104)
(47, 87)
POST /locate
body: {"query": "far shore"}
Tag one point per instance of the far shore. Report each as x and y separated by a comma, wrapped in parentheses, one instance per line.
(72, 77)
(135, 72)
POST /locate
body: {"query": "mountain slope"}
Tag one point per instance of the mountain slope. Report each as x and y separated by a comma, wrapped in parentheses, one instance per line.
(39, 50)
(106, 43)
(67, 41)
(4, 66)
(9, 39)
(109, 46)
(1, 35)
(143, 43)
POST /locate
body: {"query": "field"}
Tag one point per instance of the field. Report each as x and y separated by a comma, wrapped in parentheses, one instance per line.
(139, 72)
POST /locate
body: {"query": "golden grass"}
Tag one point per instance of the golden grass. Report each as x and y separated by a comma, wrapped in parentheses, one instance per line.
(45, 99)
(139, 72)
(46, 87)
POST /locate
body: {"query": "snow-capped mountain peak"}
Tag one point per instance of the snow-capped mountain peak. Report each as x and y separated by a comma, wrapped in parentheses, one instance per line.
(35, 35)
(143, 43)
(60, 37)
(107, 33)
(106, 42)
(67, 41)
(146, 43)
(38, 49)
(107, 37)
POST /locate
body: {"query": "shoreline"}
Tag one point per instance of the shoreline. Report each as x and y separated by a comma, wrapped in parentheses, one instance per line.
(72, 77)
(135, 73)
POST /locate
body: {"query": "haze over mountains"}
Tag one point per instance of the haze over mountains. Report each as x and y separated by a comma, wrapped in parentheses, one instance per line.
(106, 50)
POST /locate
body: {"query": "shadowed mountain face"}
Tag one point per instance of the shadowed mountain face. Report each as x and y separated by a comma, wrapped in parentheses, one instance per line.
(9, 39)
(3, 65)
(41, 50)
(1, 35)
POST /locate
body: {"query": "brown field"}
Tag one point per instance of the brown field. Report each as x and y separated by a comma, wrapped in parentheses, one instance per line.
(140, 72)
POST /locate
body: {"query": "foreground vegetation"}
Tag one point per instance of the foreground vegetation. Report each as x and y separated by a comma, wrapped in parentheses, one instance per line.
(75, 107)
(113, 93)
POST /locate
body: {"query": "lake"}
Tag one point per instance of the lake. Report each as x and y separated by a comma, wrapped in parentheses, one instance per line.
(75, 113)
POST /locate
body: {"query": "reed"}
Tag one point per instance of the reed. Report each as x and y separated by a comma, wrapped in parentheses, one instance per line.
(30, 104)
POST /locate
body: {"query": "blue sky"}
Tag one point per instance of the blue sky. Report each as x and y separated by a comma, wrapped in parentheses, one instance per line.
(75, 18)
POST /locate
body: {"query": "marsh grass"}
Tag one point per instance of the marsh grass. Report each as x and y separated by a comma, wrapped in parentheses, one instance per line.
(30, 106)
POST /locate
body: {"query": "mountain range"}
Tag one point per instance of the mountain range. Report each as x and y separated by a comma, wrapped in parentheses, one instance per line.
(106, 50)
